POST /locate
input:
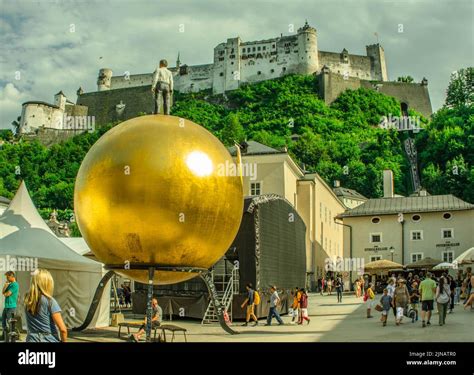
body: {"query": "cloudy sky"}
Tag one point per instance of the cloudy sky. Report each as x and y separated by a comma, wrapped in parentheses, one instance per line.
(52, 45)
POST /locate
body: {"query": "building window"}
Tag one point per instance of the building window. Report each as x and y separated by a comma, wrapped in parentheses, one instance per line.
(447, 216)
(375, 220)
(448, 256)
(447, 233)
(259, 72)
(325, 214)
(330, 217)
(255, 188)
(375, 237)
(272, 70)
(373, 258)
(264, 48)
(416, 235)
(273, 46)
(320, 210)
(284, 69)
(416, 218)
(253, 49)
(221, 74)
(259, 48)
(415, 257)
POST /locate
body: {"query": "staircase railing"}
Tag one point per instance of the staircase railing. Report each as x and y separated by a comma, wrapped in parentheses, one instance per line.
(231, 287)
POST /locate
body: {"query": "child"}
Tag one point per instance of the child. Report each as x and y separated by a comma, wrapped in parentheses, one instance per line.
(386, 302)
(414, 300)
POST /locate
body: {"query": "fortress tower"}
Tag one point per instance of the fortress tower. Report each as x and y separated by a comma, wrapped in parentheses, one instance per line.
(308, 60)
(104, 79)
(377, 57)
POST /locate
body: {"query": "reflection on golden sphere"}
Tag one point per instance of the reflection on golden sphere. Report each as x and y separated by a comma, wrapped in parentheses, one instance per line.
(157, 190)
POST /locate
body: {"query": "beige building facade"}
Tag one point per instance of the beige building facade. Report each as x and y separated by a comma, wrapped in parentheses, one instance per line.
(407, 229)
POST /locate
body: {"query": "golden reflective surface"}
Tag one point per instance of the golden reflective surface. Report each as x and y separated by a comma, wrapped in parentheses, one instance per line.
(150, 191)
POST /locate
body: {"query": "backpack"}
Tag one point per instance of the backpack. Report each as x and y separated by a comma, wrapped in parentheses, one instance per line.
(256, 298)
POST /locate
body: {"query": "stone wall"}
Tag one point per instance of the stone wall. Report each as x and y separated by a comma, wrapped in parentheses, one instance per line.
(103, 105)
(48, 136)
(415, 95)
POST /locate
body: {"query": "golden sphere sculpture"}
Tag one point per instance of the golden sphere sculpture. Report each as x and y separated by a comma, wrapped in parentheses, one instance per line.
(158, 190)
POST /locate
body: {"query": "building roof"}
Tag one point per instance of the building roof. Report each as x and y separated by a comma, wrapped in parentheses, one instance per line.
(256, 148)
(41, 103)
(348, 193)
(4, 201)
(387, 206)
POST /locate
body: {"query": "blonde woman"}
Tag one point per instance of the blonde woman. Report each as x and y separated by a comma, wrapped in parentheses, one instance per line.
(43, 313)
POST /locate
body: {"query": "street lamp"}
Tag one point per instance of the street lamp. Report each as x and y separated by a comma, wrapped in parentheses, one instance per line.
(392, 250)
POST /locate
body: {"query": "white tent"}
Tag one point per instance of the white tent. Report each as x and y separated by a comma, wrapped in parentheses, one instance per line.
(26, 243)
(467, 257)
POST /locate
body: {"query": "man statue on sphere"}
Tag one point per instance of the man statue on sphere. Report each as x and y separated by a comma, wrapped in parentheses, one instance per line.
(162, 86)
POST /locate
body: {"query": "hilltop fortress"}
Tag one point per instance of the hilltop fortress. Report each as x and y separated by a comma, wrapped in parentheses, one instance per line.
(235, 63)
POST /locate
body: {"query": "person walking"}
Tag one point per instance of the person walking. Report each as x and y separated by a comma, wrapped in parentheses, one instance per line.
(274, 302)
(443, 293)
(369, 299)
(42, 312)
(457, 294)
(296, 306)
(470, 297)
(452, 288)
(391, 292)
(357, 288)
(386, 302)
(162, 87)
(339, 289)
(427, 290)
(329, 286)
(250, 302)
(323, 285)
(400, 300)
(10, 292)
(414, 300)
(304, 307)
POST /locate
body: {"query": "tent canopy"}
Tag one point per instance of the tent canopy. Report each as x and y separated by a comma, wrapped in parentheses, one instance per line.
(381, 264)
(466, 257)
(427, 263)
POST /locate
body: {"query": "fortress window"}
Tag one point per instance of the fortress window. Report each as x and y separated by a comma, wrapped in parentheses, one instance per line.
(259, 72)
(232, 50)
(272, 70)
(221, 74)
(284, 69)
(273, 46)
